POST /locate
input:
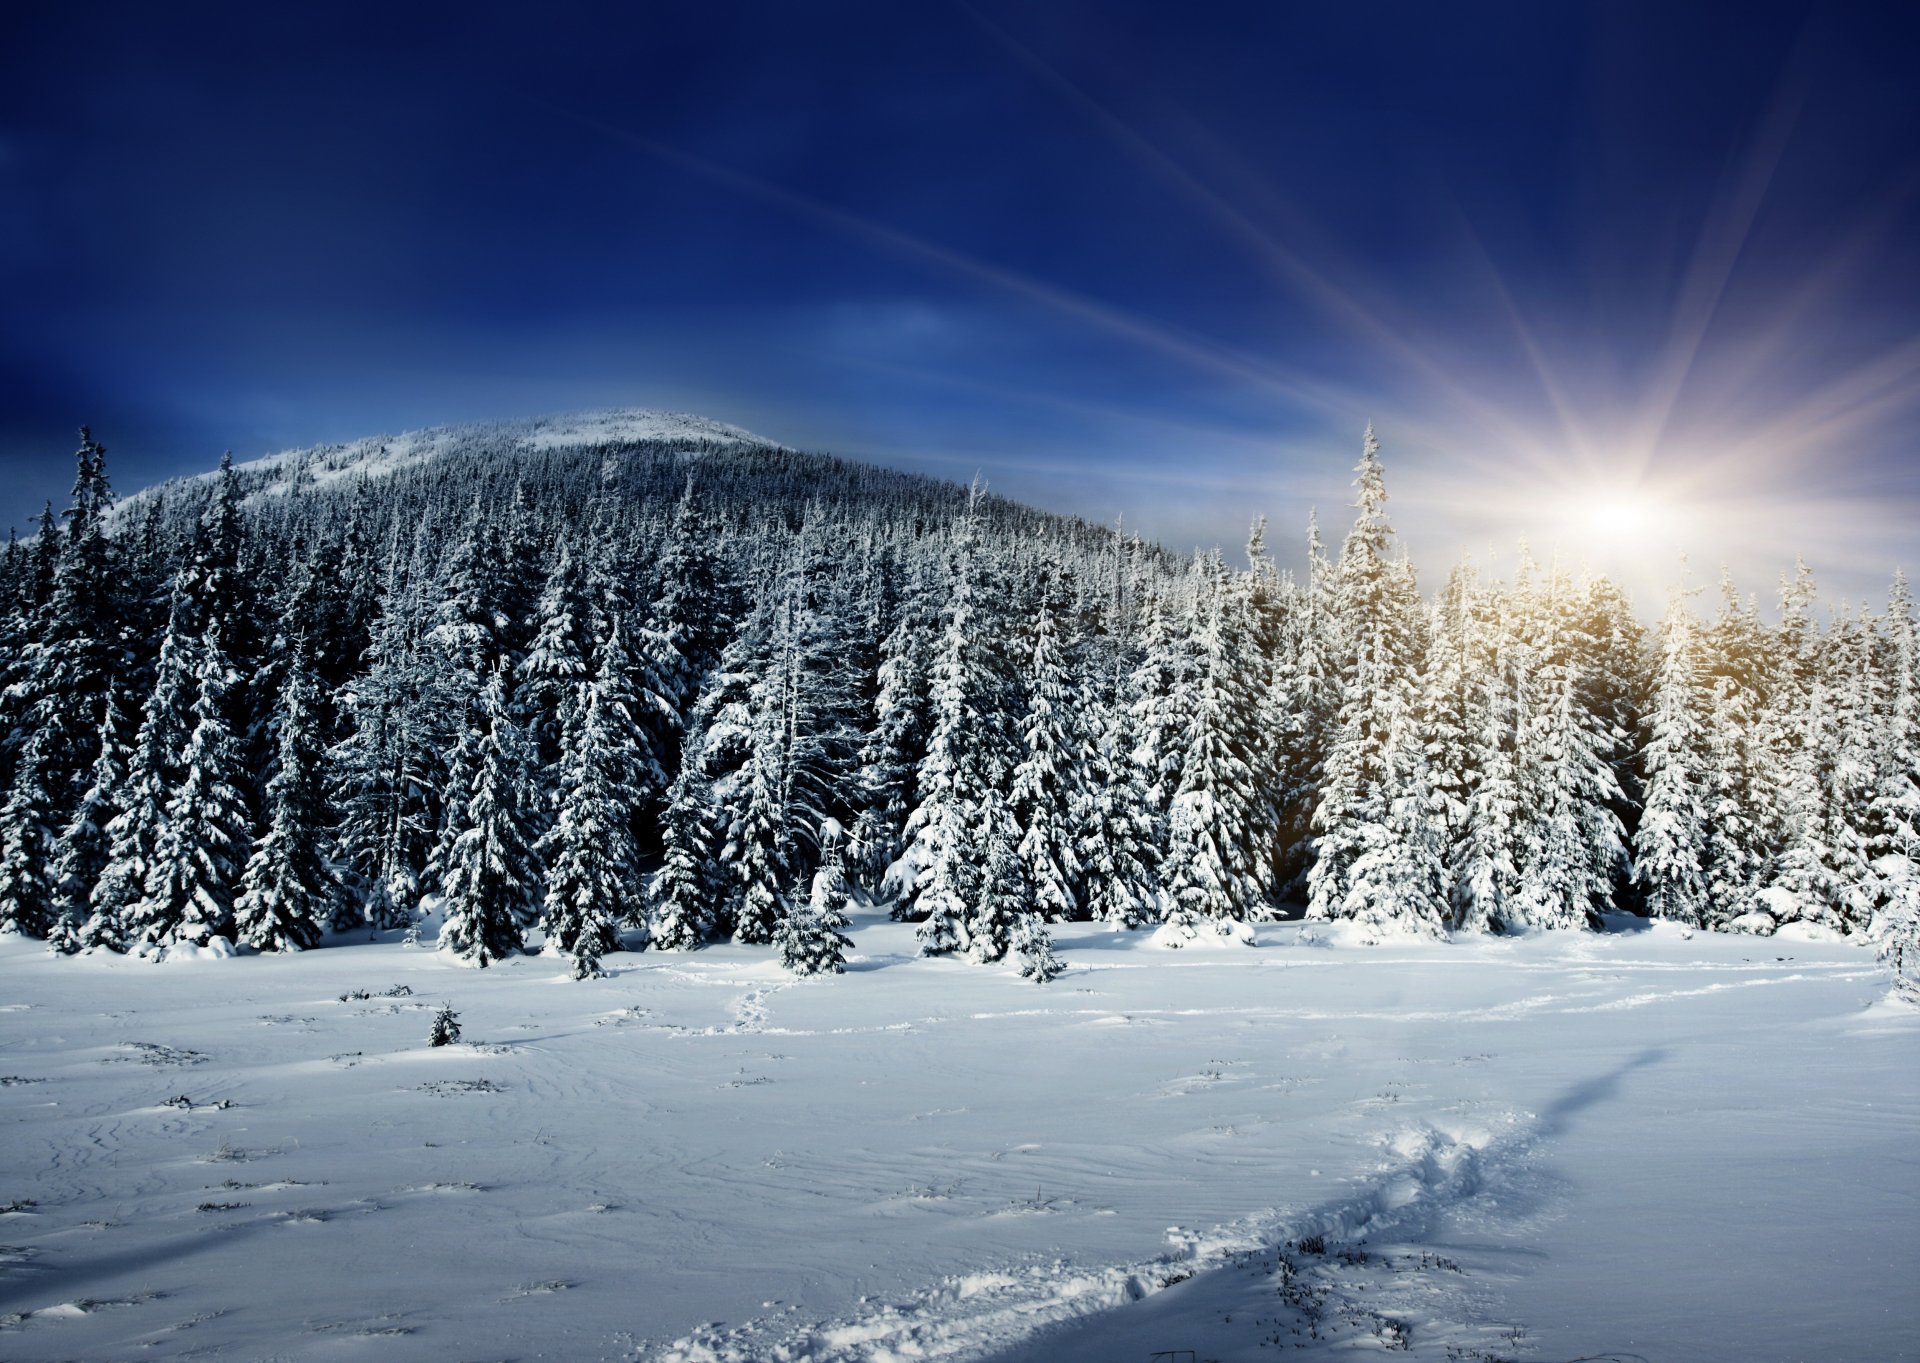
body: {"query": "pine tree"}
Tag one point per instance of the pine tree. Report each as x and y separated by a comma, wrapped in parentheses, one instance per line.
(286, 891)
(1736, 767)
(1216, 858)
(387, 776)
(119, 919)
(809, 938)
(1398, 882)
(593, 882)
(1375, 648)
(897, 743)
(1161, 684)
(25, 888)
(753, 850)
(686, 886)
(1001, 891)
(955, 778)
(1572, 838)
(1034, 947)
(80, 854)
(69, 648)
(203, 843)
(1117, 852)
(493, 877)
(1669, 843)
(553, 675)
(1895, 810)
(1048, 782)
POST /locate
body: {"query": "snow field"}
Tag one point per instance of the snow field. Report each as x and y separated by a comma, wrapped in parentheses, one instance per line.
(1678, 1147)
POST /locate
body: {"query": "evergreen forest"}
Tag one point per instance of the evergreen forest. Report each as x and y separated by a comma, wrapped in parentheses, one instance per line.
(649, 694)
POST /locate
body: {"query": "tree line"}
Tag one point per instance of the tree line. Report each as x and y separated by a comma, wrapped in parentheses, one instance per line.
(661, 693)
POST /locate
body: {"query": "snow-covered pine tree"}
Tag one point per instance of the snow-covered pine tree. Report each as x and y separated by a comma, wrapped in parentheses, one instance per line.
(1397, 885)
(1735, 853)
(1858, 706)
(1572, 844)
(1117, 853)
(117, 920)
(895, 746)
(753, 849)
(810, 937)
(1002, 895)
(1376, 650)
(1490, 847)
(1216, 855)
(60, 679)
(553, 675)
(80, 854)
(25, 885)
(593, 875)
(1447, 720)
(385, 775)
(493, 874)
(1161, 685)
(287, 892)
(78, 648)
(1668, 846)
(1033, 946)
(1049, 780)
(955, 777)
(682, 638)
(1895, 809)
(1302, 712)
(688, 883)
(203, 843)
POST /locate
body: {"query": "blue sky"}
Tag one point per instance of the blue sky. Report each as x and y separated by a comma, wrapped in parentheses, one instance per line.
(1654, 259)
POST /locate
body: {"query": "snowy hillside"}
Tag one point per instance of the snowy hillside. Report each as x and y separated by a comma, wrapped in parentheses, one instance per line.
(1684, 1148)
(380, 456)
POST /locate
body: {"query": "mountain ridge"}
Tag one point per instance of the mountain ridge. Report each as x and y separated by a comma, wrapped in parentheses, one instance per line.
(380, 456)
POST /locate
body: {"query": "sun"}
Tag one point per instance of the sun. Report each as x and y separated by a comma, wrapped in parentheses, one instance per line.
(1612, 525)
(1618, 517)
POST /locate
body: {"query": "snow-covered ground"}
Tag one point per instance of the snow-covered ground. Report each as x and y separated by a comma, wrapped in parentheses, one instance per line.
(1637, 1144)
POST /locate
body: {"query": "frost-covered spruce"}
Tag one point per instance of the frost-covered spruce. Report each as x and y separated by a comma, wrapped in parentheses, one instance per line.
(493, 875)
(1033, 945)
(70, 648)
(133, 835)
(1048, 781)
(954, 779)
(385, 775)
(891, 754)
(553, 675)
(1376, 648)
(1573, 844)
(1487, 872)
(203, 840)
(810, 938)
(755, 855)
(593, 878)
(1398, 883)
(25, 886)
(445, 1030)
(1214, 859)
(1737, 766)
(1669, 843)
(1003, 895)
(1115, 816)
(81, 852)
(286, 892)
(688, 883)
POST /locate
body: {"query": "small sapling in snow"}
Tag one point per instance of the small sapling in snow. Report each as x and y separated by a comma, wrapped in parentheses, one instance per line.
(446, 1027)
